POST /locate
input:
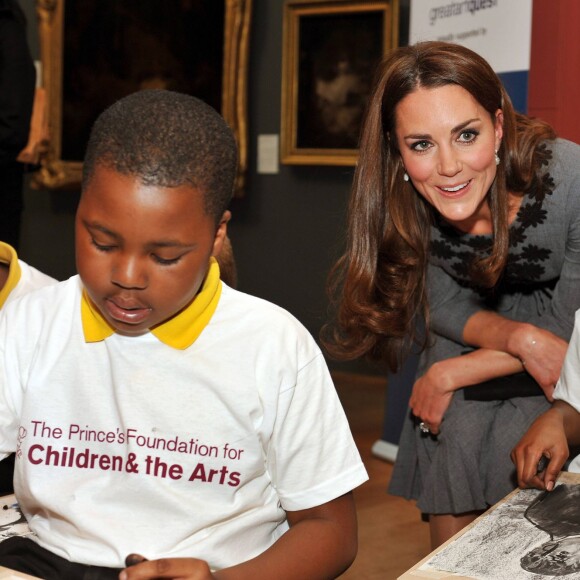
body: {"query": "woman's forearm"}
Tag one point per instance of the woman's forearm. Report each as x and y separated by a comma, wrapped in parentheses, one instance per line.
(539, 350)
(476, 367)
(487, 329)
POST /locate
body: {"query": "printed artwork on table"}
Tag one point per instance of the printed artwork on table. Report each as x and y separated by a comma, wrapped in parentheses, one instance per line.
(12, 521)
(531, 536)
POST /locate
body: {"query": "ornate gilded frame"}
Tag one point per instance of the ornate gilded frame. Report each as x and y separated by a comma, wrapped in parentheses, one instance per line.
(298, 57)
(57, 173)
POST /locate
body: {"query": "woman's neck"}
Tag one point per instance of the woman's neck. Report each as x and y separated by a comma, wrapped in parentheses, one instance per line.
(480, 223)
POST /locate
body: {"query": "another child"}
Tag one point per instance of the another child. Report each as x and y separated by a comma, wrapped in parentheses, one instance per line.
(552, 433)
(16, 279)
(155, 410)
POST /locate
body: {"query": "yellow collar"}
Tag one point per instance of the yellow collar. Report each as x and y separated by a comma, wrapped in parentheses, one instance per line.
(8, 256)
(180, 331)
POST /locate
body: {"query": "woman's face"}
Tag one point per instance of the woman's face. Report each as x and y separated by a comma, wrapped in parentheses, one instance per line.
(447, 142)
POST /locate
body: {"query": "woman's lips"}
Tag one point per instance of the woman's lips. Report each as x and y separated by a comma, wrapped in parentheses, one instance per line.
(455, 190)
(128, 314)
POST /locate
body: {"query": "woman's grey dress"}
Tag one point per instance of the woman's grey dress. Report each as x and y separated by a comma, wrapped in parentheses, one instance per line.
(467, 466)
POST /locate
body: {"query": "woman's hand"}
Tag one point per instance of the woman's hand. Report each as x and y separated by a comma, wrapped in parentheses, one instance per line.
(174, 568)
(432, 394)
(542, 354)
(433, 391)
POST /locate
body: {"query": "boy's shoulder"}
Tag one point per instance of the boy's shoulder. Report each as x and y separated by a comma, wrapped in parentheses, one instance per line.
(249, 315)
(236, 303)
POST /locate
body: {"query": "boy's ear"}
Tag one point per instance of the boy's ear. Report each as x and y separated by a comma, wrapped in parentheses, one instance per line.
(221, 233)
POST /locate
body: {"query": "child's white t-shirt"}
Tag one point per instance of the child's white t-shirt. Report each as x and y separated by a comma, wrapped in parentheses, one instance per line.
(568, 386)
(129, 445)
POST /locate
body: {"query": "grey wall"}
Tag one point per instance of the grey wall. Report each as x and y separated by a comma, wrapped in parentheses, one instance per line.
(286, 232)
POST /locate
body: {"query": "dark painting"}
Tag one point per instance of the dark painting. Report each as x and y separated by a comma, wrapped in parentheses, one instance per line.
(116, 47)
(337, 58)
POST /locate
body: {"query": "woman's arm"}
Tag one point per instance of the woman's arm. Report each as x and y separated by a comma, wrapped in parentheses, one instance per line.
(320, 544)
(433, 391)
(541, 352)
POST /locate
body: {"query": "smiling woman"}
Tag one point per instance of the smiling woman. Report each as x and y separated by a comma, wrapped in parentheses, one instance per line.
(461, 241)
(448, 142)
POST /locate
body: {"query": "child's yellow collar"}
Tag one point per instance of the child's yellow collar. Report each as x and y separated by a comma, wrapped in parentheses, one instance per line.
(179, 332)
(8, 256)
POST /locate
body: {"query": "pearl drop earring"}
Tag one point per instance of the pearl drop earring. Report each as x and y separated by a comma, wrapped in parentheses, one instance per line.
(497, 158)
(405, 176)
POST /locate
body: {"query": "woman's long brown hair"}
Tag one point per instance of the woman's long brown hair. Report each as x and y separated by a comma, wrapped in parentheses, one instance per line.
(378, 287)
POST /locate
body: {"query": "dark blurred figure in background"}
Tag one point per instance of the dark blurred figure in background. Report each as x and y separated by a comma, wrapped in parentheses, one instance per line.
(17, 82)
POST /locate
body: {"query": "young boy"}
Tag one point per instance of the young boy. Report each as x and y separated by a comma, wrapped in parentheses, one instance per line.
(155, 410)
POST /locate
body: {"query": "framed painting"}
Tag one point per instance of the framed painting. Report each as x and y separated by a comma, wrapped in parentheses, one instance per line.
(94, 52)
(331, 50)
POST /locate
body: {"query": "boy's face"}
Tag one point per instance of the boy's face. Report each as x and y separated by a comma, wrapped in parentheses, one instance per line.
(142, 251)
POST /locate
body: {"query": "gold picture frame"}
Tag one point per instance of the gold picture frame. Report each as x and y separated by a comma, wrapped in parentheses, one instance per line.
(330, 51)
(61, 161)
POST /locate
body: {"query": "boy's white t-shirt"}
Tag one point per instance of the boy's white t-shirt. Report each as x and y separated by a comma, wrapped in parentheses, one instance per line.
(129, 445)
(568, 386)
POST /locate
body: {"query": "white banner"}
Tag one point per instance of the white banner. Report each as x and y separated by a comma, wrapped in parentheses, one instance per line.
(498, 30)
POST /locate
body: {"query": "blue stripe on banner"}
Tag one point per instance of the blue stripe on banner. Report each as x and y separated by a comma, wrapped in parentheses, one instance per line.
(516, 84)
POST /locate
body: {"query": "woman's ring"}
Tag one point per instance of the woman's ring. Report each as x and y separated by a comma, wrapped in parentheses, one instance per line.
(424, 427)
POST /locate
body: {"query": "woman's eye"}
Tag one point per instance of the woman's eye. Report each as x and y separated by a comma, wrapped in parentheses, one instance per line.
(468, 136)
(420, 146)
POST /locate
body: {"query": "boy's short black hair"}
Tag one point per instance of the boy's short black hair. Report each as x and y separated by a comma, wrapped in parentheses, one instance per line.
(167, 139)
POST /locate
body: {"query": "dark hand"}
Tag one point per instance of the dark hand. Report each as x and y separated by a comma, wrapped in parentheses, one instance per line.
(544, 439)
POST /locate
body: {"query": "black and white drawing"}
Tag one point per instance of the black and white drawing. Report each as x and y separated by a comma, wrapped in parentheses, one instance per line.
(12, 522)
(530, 536)
(558, 514)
